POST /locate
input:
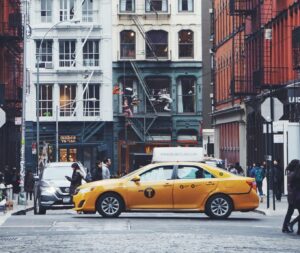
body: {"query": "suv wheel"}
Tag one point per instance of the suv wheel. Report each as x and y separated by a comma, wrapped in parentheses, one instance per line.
(109, 205)
(219, 207)
(38, 209)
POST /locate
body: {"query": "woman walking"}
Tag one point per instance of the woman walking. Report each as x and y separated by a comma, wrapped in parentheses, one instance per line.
(293, 184)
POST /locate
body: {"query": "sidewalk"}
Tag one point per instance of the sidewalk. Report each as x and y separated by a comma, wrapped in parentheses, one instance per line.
(17, 210)
(280, 207)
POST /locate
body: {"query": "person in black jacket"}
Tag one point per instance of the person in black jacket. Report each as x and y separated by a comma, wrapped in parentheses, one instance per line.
(76, 179)
(293, 182)
(97, 173)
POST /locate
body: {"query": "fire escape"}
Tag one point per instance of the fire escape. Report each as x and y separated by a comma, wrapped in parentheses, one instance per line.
(11, 48)
(141, 123)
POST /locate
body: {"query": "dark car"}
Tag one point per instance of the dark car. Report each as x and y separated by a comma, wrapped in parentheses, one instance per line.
(52, 189)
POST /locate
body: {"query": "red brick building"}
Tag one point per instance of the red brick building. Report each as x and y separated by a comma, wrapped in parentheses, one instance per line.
(11, 71)
(256, 53)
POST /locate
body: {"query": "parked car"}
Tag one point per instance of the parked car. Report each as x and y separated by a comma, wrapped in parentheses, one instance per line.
(170, 186)
(52, 189)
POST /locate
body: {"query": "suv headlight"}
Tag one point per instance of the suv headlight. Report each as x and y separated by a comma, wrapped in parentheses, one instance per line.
(48, 190)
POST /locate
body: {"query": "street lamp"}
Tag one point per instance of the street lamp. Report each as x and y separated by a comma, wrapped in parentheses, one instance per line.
(38, 86)
(56, 120)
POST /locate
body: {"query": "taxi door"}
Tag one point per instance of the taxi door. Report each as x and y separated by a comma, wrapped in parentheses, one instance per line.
(192, 186)
(153, 191)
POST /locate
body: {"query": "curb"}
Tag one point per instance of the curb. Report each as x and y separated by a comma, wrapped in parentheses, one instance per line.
(260, 212)
(23, 212)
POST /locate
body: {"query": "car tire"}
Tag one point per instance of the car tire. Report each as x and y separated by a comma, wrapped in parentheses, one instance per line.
(37, 208)
(110, 205)
(219, 206)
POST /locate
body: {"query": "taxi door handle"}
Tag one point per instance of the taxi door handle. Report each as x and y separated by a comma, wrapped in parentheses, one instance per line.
(210, 183)
(167, 185)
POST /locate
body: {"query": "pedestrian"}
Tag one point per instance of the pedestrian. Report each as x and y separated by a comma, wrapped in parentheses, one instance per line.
(16, 183)
(76, 179)
(239, 169)
(29, 184)
(293, 185)
(258, 173)
(98, 172)
(105, 168)
(278, 179)
(232, 170)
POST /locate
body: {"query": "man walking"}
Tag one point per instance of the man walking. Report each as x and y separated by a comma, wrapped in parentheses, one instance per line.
(105, 168)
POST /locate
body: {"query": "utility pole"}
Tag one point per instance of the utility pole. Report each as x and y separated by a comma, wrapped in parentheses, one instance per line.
(22, 160)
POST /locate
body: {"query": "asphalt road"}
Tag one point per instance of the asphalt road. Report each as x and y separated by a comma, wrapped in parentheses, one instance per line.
(66, 231)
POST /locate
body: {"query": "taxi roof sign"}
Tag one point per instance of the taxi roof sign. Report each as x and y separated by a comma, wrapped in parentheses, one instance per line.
(177, 154)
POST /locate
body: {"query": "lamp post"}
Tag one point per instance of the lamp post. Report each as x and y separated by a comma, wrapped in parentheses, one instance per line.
(38, 88)
(56, 120)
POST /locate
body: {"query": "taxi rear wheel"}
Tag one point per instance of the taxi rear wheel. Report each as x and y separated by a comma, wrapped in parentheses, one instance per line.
(219, 206)
(109, 205)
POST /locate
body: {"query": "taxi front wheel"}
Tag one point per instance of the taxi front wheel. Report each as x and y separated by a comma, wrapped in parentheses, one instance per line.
(219, 207)
(109, 205)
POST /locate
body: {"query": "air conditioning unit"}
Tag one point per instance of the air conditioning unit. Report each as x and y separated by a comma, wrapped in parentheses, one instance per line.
(48, 65)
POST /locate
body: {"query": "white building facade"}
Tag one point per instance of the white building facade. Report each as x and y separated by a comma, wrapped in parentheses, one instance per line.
(72, 39)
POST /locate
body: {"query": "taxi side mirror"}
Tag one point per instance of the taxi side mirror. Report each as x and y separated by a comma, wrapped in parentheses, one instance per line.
(136, 179)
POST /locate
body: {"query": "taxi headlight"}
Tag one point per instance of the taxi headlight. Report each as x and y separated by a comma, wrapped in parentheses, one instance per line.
(85, 190)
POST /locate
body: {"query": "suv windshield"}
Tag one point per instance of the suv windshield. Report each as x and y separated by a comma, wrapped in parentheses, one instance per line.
(57, 173)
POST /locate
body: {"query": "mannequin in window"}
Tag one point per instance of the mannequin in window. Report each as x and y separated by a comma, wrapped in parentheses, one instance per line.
(165, 97)
(126, 108)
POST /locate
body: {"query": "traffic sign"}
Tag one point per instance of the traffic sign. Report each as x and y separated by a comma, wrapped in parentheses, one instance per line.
(2, 117)
(277, 109)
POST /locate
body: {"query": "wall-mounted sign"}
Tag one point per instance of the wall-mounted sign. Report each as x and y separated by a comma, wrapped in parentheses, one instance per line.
(67, 138)
(294, 95)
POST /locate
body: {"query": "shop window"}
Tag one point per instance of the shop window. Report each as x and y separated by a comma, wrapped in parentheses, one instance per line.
(159, 44)
(91, 53)
(45, 56)
(46, 100)
(67, 9)
(127, 5)
(127, 44)
(87, 11)
(46, 11)
(67, 53)
(186, 44)
(156, 5)
(67, 100)
(91, 101)
(186, 95)
(186, 5)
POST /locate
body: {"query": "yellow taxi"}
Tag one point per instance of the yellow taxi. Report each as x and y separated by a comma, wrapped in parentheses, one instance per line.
(170, 187)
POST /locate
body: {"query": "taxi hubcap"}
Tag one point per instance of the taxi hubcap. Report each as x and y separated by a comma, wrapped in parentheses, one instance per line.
(219, 206)
(110, 205)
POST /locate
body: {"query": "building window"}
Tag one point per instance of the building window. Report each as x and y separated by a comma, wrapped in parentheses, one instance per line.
(91, 100)
(91, 53)
(45, 57)
(156, 5)
(67, 53)
(158, 44)
(46, 100)
(186, 44)
(186, 95)
(186, 5)
(127, 5)
(127, 44)
(67, 9)
(67, 100)
(46, 11)
(87, 11)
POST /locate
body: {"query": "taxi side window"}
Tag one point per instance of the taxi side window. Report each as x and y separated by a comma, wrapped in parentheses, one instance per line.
(191, 172)
(157, 174)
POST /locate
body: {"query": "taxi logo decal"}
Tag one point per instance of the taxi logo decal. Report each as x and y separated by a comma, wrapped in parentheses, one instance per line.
(149, 193)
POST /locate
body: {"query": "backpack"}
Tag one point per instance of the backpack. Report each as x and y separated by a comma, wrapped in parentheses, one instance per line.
(259, 175)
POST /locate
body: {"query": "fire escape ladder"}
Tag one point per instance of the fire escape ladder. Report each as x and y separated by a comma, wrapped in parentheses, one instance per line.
(140, 129)
(142, 31)
(91, 130)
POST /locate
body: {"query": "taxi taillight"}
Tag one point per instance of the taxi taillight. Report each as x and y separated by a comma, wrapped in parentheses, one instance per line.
(252, 184)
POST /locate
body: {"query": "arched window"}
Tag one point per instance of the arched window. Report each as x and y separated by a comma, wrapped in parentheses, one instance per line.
(186, 44)
(158, 41)
(127, 44)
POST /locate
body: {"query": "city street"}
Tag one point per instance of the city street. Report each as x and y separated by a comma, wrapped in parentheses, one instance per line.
(66, 231)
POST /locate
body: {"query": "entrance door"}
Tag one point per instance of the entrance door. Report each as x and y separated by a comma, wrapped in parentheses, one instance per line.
(67, 154)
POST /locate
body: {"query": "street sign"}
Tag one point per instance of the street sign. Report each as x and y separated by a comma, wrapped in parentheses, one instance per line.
(2, 117)
(277, 109)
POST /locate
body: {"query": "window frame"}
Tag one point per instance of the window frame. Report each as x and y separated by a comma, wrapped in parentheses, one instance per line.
(64, 61)
(127, 44)
(149, 54)
(67, 106)
(91, 53)
(48, 5)
(91, 108)
(188, 11)
(46, 52)
(182, 96)
(65, 9)
(180, 44)
(48, 101)
(157, 167)
(193, 166)
(87, 11)
(127, 11)
(148, 7)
